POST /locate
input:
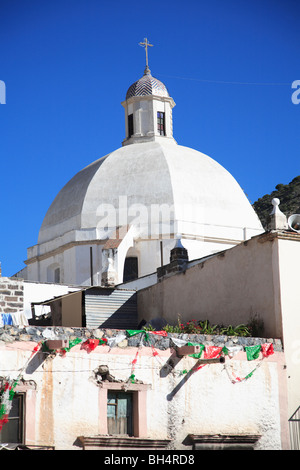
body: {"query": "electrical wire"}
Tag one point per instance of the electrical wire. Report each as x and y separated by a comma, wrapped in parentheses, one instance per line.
(224, 82)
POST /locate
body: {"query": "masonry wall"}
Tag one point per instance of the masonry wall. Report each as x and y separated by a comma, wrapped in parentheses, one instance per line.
(11, 295)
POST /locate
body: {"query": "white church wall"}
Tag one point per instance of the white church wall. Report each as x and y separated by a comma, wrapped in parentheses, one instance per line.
(74, 264)
(198, 249)
(150, 254)
(86, 269)
(32, 272)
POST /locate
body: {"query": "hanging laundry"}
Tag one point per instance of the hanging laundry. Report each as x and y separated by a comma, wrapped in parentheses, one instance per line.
(7, 319)
(19, 319)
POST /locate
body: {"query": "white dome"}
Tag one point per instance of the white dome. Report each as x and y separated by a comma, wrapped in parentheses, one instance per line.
(149, 174)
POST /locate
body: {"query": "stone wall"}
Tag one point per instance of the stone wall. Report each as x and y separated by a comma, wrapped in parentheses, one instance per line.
(11, 295)
(40, 333)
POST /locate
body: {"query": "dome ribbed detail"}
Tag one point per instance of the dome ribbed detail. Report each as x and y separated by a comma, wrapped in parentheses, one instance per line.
(147, 85)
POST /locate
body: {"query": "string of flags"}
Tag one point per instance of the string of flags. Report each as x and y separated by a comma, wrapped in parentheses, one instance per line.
(8, 386)
(7, 390)
(88, 345)
(209, 352)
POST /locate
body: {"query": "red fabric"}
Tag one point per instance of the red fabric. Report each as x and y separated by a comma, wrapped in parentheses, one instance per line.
(90, 345)
(160, 333)
(3, 421)
(267, 349)
(211, 352)
(135, 359)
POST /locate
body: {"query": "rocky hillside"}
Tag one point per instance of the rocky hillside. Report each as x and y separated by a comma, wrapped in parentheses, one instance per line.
(289, 195)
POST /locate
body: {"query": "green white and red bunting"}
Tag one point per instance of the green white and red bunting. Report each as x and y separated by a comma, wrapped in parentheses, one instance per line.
(209, 352)
(8, 386)
(7, 390)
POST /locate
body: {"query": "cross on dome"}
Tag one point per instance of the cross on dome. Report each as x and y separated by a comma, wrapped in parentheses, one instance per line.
(146, 44)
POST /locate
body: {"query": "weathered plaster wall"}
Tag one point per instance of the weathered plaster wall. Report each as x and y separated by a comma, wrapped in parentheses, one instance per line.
(67, 397)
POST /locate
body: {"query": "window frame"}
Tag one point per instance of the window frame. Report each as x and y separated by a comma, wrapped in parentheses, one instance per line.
(161, 123)
(130, 125)
(117, 396)
(139, 406)
(21, 397)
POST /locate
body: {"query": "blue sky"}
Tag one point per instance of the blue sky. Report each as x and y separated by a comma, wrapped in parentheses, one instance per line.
(66, 65)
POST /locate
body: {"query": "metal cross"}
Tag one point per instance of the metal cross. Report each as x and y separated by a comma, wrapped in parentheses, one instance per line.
(146, 44)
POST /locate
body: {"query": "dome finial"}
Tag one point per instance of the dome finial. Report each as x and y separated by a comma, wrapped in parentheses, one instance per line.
(146, 44)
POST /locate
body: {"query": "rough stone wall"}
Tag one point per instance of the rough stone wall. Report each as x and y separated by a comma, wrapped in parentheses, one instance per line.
(39, 333)
(11, 295)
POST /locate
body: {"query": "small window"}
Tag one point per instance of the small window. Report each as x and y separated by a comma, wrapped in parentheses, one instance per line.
(12, 432)
(119, 413)
(130, 125)
(161, 123)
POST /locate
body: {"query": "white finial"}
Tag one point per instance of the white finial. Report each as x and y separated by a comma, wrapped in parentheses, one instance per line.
(275, 202)
(278, 220)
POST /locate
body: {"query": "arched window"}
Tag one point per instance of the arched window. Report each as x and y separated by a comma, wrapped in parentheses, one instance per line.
(130, 269)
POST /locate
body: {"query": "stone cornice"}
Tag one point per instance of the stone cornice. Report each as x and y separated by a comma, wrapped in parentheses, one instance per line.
(278, 234)
(61, 249)
(69, 245)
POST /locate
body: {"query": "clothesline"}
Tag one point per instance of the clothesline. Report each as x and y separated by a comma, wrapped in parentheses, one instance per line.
(15, 319)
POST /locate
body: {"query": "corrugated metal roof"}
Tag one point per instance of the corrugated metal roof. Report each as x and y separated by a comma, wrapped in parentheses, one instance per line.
(111, 308)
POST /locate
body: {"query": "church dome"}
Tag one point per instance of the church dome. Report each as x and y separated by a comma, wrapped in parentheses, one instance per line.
(147, 85)
(151, 174)
(145, 193)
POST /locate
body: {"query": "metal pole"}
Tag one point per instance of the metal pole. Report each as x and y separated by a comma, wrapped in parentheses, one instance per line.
(91, 265)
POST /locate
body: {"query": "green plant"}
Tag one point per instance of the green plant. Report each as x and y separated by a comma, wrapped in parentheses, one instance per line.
(207, 329)
(172, 329)
(239, 330)
(148, 327)
(178, 328)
